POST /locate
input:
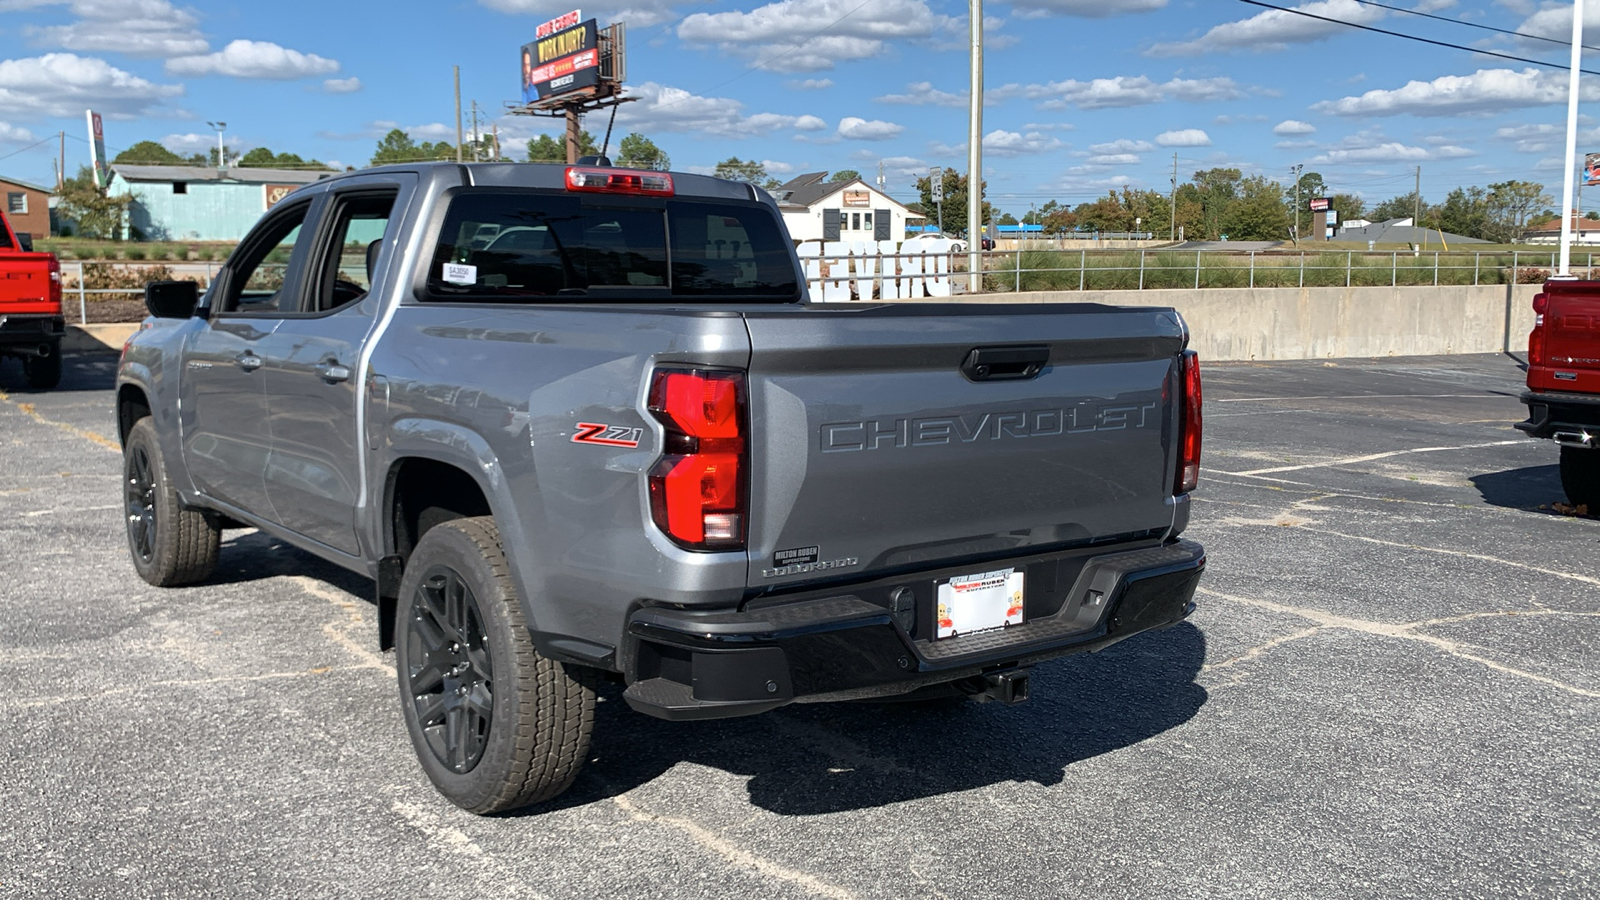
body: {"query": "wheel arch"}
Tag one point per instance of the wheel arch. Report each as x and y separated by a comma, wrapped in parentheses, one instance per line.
(133, 404)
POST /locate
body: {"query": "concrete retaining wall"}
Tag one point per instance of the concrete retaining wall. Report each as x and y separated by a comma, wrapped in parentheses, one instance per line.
(1332, 322)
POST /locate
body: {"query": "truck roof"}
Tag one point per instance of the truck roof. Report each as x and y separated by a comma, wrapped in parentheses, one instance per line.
(552, 176)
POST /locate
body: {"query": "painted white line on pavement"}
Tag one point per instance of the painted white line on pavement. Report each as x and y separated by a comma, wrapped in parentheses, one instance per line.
(1351, 460)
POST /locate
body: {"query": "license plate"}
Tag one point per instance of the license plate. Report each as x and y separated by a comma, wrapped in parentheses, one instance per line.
(980, 602)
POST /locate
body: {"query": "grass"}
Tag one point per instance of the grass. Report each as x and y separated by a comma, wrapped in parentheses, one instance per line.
(72, 248)
(1055, 270)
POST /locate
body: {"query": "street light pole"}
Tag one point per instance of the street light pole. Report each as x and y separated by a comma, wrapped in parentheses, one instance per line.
(1296, 170)
(222, 157)
(975, 152)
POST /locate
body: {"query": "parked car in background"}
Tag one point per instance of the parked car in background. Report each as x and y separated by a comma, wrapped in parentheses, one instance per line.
(1563, 395)
(957, 245)
(31, 325)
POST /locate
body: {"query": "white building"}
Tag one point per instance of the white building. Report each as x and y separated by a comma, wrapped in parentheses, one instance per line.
(815, 209)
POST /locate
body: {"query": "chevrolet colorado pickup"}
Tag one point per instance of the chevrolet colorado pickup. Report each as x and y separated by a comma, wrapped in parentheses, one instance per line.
(1563, 396)
(582, 422)
(31, 324)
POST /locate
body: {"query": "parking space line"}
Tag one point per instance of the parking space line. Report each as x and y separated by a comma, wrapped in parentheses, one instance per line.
(1350, 460)
(1408, 631)
(448, 837)
(34, 702)
(93, 436)
(1361, 397)
(735, 854)
(1574, 576)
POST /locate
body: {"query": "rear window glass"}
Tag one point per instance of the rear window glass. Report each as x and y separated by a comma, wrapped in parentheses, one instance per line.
(512, 246)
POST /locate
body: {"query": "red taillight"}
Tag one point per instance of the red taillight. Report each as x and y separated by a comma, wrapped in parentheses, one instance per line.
(698, 489)
(55, 280)
(1189, 425)
(619, 181)
(1541, 303)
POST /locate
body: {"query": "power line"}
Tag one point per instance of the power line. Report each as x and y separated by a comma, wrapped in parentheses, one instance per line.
(1412, 37)
(29, 147)
(1413, 12)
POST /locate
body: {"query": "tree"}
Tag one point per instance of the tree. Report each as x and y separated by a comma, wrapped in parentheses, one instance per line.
(1257, 212)
(398, 147)
(1217, 190)
(261, 157)
(545, 148)
(97, 215)
(1465, 212)
(1401, 207)
(735, 169)
(1311, 185)
(1510, 206)
(639, 152)
(1108, 213)
(150, 153)
(955, 202)
(1006, 219)
(845, 175)
(1349, 206)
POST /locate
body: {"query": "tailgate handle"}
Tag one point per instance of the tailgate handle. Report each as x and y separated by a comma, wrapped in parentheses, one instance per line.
(1005, 363)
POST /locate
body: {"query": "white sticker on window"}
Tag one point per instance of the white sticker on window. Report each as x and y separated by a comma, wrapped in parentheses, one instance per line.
(455, 273)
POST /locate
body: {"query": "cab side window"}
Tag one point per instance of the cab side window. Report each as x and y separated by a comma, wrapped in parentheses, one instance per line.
(360, 222)
(258, 276)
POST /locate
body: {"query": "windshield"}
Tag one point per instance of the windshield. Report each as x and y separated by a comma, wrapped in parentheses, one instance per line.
(522, 245)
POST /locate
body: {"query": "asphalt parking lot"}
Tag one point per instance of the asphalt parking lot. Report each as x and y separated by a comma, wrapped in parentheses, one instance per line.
(1391, 689)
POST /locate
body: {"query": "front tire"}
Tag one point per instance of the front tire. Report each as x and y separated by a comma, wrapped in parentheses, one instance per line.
(495, 725)
(1580, 477)
(171, 544)
(44, 372)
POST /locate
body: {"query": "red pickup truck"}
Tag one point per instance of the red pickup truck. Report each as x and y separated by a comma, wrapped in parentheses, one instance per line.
(1563, 395)
(31, 325)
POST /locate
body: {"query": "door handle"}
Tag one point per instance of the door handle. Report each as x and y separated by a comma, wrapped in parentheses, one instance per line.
(1005, 363)
(248, 361)
(332, 372)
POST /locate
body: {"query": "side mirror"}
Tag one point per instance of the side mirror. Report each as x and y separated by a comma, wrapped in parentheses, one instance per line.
(25, 242)
(171, 299)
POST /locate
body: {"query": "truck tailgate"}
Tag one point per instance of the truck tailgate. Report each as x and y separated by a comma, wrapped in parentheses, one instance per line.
(873, 450)
(1571, 358)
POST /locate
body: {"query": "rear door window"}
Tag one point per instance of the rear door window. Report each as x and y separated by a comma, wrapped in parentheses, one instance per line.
(527, 245)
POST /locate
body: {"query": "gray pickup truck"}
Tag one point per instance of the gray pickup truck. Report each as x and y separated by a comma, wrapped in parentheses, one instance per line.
(581, 423)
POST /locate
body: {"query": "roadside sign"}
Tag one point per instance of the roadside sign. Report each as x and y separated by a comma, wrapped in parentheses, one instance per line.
(97, 149)
(1591, 168)
(562, 62)
(936, 183)
(1321, 204)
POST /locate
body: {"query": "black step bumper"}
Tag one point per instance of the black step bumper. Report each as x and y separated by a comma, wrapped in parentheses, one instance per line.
(30, 329)
(875, 639)
(1552, 413)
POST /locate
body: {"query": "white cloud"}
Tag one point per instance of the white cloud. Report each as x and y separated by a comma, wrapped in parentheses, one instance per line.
(65, 84)
(661, 108)
(254, 59)
(637, 13)
(1481, 93)
(1011, 143)
(1555, 22)
(12, 134)
(1543, 138)
(135, 27)
(775, 167)
(1123, 145)
(783, 35)
(191, 143)
(1123, 90)
(1294, 145)
(811, 84)
(1393, 151)
(852, 128)
(1274, 30)
(1113, 159)
(342, 85)
(1090, 9)
(1293, 126)
(923, 93)
(1185, 137)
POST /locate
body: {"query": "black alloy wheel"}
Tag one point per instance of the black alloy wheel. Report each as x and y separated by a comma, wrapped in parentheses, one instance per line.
(140, 494)
(450, 672)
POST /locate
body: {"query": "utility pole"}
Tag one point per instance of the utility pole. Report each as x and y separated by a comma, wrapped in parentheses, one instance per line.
(476, 157)
(975, 152)
(458, 114)
(1572, 141)
(222, 154)
(1296, 169)
(1172, 230)
(61, 180)
(496, 127)
(881, 181)
(1416, 209)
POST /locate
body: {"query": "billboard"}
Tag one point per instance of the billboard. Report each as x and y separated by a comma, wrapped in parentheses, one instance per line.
(97, 150)
(1321, 204)
(561, 62)
(1591, 168)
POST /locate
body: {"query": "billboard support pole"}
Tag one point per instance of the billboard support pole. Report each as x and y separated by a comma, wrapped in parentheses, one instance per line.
(573, 133)
(458, 113)
(1572, 141)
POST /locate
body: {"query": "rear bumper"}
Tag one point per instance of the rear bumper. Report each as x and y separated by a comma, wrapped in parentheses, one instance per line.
(29, 329)
(1567, 418)
(875, 639)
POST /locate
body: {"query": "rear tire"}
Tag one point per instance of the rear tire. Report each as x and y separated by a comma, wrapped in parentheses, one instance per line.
(1580, 477)
(171, 544)
(495, 725)
(44, 372)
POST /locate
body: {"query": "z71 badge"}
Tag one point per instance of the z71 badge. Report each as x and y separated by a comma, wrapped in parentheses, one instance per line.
(607, 435)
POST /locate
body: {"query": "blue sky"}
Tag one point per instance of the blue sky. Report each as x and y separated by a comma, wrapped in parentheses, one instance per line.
(1082, 95)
